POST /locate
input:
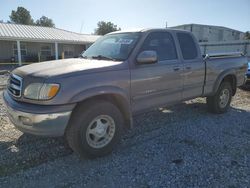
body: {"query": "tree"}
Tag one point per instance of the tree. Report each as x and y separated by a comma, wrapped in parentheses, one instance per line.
(105, 27)
(45, 21)
(247, 35)
(21, 16)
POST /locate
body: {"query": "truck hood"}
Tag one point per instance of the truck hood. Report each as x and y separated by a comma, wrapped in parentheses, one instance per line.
(66, 67)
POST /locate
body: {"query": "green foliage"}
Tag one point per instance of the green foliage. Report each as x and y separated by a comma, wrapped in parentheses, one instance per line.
(105, 27)
(247, 35)
(21, 16)
(45, 21)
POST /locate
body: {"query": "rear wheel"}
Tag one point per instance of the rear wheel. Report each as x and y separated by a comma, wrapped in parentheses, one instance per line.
(95, 128)
(220, 102)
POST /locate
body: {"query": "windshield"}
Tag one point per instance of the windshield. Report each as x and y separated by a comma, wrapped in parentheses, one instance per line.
(115, 47)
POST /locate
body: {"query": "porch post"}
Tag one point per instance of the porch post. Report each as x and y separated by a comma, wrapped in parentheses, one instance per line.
(19, 55)
(56, 50)
(205, 49)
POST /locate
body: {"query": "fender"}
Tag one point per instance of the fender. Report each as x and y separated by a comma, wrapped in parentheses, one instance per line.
(102, 90)
(221, 76)
(121, 96)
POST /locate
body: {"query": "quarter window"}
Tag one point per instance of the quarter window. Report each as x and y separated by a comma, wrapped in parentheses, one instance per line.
(162, 43)
(188, 47)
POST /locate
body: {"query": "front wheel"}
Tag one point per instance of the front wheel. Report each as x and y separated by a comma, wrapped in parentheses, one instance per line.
(95, 128)
(220, 102)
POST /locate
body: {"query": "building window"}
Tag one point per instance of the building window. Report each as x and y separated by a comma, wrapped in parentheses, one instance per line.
(46, 50)
(209, 30)
(22, 47)
(68, 51)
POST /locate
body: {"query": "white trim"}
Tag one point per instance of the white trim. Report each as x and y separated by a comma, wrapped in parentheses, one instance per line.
(21, 43)
(56, 50)
(19, 53)
(48, 40)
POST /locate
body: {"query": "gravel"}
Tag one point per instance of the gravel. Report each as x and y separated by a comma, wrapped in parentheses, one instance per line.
(3, 81)
(178, 146)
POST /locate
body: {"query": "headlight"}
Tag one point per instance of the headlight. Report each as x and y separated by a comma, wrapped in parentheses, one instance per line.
(40, 91)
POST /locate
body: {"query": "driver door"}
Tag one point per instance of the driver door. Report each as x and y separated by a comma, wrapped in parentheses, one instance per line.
(153, 85)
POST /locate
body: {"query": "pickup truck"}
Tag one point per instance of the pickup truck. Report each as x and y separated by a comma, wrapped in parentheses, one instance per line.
(91, 99)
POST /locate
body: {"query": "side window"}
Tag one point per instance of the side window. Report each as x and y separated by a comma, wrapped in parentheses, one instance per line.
(162, 43)
(188, 47)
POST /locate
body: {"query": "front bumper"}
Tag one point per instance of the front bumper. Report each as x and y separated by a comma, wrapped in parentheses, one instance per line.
(38, 119)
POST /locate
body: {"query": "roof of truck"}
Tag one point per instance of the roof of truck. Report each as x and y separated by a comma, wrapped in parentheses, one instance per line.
(147, 29)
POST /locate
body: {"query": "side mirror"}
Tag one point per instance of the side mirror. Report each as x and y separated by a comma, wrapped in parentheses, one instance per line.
(147, 57)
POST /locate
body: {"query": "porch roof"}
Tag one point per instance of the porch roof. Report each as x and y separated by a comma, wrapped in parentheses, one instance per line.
(42, 34)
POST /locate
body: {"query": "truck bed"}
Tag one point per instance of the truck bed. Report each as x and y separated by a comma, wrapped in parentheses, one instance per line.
(218, 65)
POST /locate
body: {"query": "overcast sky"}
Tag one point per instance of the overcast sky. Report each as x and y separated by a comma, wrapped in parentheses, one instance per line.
(76, 14)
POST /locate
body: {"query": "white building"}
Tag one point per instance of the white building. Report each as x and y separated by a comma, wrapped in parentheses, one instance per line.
(26, 43)
(209, 33)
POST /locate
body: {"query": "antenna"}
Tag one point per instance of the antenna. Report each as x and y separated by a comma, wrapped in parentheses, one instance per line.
(81, 26)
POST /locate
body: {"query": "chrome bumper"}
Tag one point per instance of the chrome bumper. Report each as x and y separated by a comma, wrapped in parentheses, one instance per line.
(45, 124)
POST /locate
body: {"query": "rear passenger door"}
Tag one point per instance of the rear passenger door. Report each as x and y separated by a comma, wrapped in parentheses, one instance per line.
(194, 67)
(156, 84)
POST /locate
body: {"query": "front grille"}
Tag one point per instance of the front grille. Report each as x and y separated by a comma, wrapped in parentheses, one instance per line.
(15, 85)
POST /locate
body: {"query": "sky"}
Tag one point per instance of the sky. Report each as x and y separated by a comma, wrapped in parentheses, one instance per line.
(83, 15)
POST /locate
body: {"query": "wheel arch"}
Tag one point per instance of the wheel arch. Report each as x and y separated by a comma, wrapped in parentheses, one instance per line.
(229, 76)
(112, 94)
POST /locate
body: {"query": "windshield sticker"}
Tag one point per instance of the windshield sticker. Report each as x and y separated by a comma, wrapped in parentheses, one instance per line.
(125, 41)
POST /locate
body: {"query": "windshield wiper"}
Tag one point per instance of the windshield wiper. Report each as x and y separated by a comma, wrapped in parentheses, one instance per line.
(103, 58)
(82, 56)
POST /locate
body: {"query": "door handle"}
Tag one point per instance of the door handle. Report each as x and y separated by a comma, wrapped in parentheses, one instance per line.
(176, 69)
(188, 68)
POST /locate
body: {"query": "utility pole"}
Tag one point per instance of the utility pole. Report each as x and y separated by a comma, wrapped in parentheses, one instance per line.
(166, 24)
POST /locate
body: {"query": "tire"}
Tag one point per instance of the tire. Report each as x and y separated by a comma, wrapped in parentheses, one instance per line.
(220, 104)
(83, 134)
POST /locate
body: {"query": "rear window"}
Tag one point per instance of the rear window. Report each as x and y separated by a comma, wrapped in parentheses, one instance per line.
(188, 47)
